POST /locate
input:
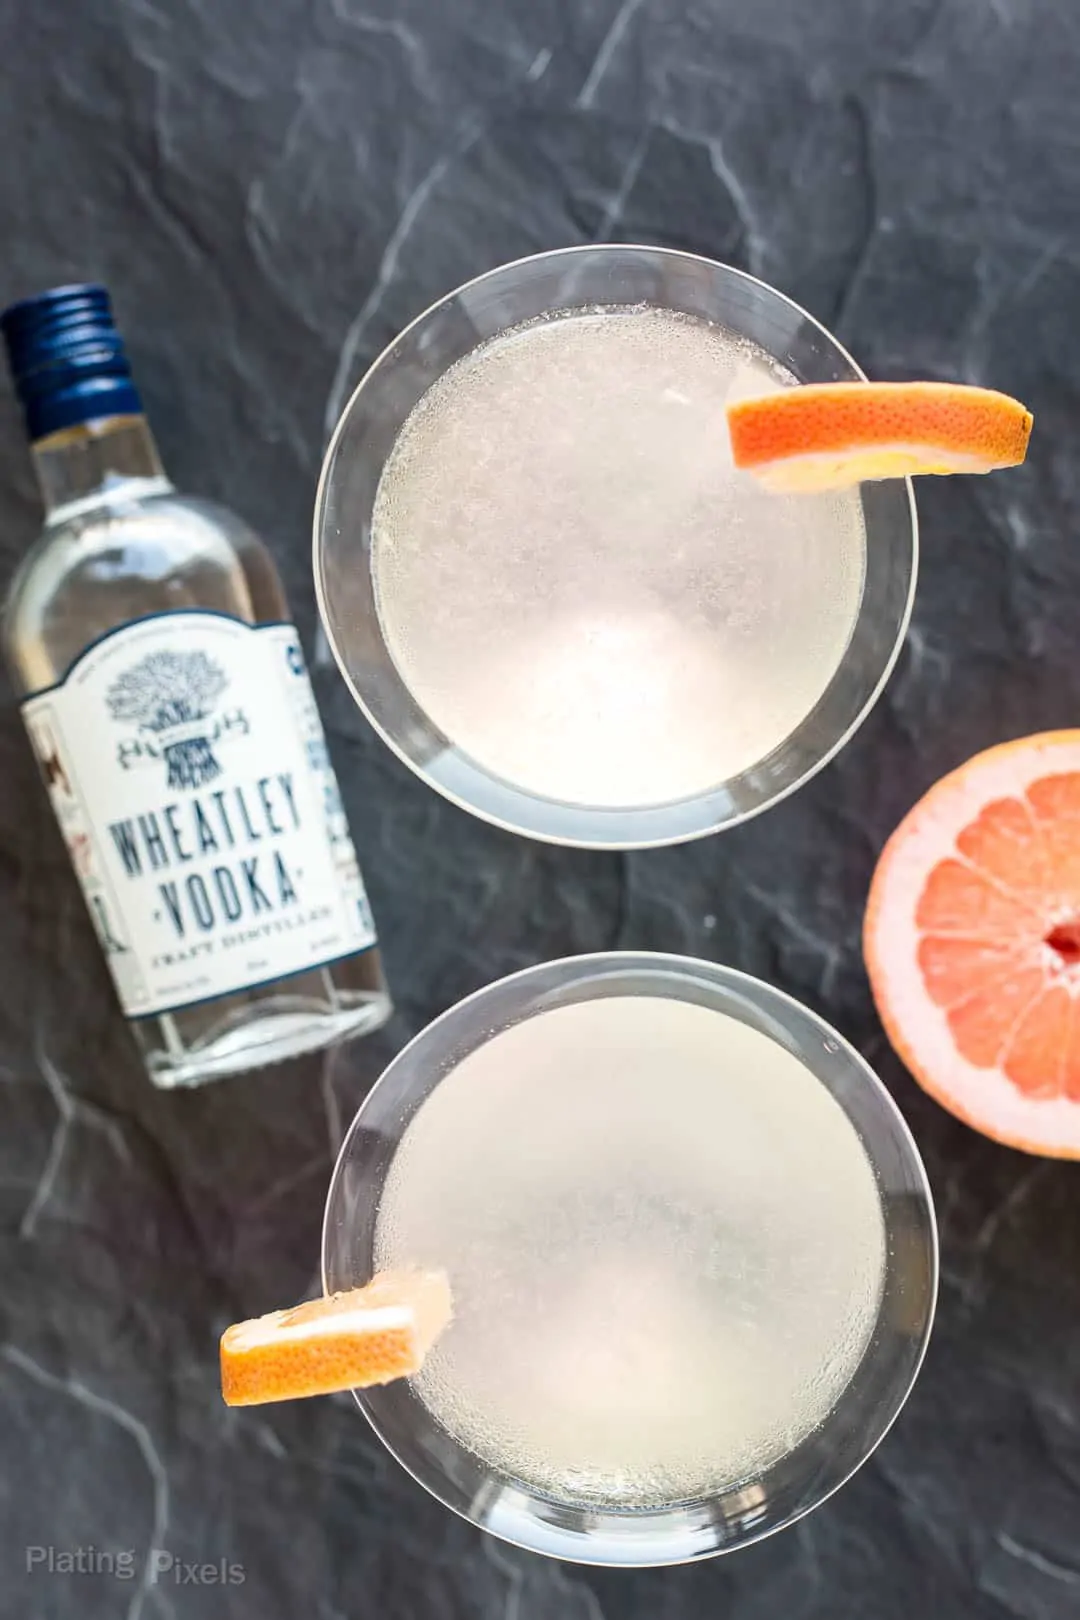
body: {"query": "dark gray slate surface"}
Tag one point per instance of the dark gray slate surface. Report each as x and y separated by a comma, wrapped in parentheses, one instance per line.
(271, 190)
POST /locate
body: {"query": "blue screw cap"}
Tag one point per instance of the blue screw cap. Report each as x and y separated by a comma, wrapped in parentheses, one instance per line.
(67, 359)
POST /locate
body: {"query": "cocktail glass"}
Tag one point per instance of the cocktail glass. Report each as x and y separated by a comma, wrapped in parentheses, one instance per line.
(581, 1525)
(534, 289)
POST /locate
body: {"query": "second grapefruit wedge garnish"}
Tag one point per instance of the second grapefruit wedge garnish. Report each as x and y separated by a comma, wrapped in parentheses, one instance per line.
(972, 942)
(832, 435)
(351, 1340)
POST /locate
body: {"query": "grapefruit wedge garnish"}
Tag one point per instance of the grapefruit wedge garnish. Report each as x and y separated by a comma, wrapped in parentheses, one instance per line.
(831, 435)
(366, 1336)
(972, 942)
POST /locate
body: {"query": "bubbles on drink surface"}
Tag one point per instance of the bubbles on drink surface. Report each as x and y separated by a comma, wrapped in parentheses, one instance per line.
(665, 1244)
(576, 584)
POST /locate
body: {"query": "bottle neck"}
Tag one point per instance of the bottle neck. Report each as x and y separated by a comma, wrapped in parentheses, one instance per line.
(87, 465)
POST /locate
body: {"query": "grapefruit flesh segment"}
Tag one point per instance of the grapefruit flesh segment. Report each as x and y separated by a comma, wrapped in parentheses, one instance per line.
(1035, 1054)
(833, 435)
(350, 1340)
(972, 942)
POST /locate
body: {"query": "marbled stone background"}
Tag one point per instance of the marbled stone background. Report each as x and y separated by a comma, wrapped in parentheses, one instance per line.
(270, 190)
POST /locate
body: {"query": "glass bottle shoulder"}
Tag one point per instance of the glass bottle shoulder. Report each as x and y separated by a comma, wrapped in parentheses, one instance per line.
(127, 556)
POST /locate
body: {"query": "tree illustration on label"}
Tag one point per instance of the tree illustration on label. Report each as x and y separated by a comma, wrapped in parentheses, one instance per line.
(171, 696)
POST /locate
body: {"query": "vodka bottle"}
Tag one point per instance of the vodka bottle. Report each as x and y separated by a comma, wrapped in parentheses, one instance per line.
(166, 699)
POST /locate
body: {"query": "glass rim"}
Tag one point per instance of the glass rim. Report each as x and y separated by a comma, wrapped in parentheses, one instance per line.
(747, 990)
(707, 824)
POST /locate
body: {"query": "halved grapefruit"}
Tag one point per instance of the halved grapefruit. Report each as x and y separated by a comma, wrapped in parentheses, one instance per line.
(972, 942)
(831, 435)
(365, 1336)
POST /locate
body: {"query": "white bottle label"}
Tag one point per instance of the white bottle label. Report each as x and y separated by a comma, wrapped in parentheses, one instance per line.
(187, 767)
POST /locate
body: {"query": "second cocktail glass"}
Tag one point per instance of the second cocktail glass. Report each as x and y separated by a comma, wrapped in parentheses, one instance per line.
(691, 1246)
(546, 585)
